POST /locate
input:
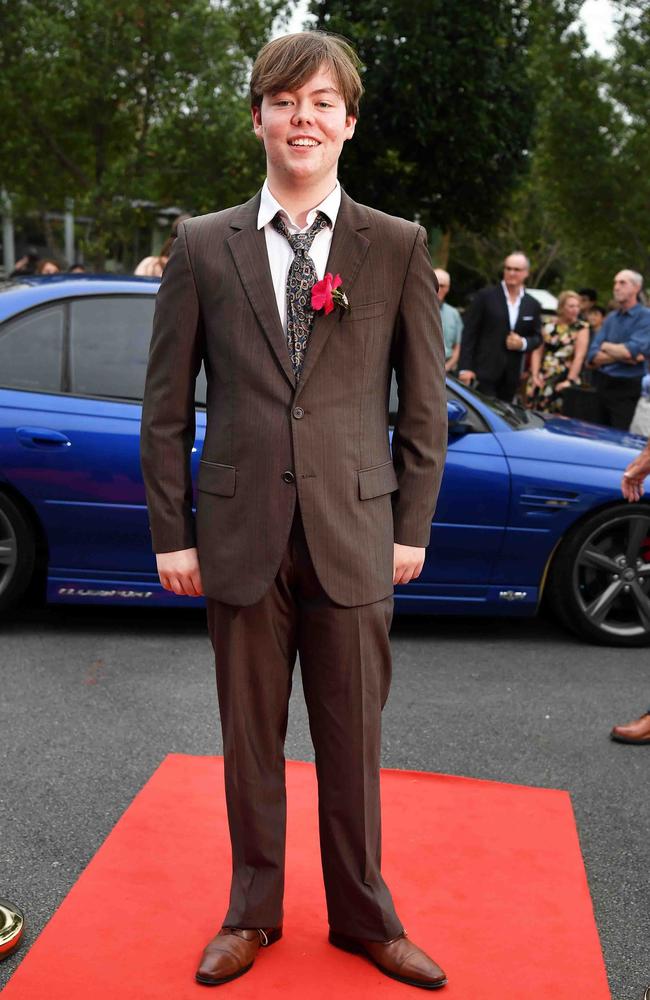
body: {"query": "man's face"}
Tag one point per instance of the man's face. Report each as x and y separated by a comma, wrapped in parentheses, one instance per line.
(585, 304)
(515, 271)
(625, 290)
(443, 283)
(303, 131)
(595, 319)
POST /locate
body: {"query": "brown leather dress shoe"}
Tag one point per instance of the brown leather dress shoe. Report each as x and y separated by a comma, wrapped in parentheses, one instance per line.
(232, 953)
(634, 732)
(400, 959)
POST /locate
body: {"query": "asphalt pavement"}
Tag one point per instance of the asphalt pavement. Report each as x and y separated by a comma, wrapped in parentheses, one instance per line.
(92, 699)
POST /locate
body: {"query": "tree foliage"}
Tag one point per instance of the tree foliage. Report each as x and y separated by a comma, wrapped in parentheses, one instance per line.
(581, 211)
(113, 103)
(447, 110)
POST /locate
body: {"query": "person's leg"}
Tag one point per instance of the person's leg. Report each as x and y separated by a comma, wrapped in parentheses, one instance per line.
(487, 387)
(622, 397)
(255, 651)
(346, 669)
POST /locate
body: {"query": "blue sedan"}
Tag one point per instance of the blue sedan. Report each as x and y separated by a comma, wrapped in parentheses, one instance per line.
(530, 505)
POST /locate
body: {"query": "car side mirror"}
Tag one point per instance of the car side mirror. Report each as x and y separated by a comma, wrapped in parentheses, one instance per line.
(457, 414)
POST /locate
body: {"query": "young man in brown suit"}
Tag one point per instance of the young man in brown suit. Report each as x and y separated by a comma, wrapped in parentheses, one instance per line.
(304, 519)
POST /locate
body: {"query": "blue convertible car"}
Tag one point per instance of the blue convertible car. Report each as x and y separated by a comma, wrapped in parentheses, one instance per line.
(530, 505)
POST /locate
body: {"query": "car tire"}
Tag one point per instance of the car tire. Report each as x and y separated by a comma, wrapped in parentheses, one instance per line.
(599, 581)
(17, 553)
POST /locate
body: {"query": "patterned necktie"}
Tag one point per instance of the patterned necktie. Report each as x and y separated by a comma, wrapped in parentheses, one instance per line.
(300, 280)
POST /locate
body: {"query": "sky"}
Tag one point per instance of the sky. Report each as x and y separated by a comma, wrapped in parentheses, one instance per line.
(597, 16)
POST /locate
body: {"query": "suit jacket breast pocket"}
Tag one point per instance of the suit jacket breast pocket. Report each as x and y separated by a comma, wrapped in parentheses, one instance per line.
(365, 310)
(216, 478)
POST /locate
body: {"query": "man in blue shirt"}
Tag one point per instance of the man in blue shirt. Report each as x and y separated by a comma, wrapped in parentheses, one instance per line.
(619, 353)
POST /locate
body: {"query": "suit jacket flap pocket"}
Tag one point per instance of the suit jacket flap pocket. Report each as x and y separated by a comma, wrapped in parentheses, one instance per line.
(215, 478)
(377, 481)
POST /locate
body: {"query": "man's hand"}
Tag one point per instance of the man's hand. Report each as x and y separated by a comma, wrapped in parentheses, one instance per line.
(634, 476)
(179, 572)
(514, 342)
(599, 359)
(466, 377)
(617, 351)
(407, 563)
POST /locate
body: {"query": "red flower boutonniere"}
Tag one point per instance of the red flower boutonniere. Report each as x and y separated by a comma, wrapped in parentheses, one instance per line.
(328, 293)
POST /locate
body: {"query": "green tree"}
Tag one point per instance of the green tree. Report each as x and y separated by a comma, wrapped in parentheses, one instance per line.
(115, 103)
(565, 211)
(447, 113)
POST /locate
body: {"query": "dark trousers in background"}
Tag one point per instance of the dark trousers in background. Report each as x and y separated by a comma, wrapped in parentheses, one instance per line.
(345, 663)
(503, 388)
(617, 399)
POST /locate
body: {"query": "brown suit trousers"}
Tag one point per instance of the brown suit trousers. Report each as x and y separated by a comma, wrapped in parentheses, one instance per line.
(345, 665)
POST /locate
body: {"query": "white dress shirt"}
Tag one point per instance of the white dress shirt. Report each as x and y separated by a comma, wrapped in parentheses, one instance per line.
(280, 253)
(513, 309)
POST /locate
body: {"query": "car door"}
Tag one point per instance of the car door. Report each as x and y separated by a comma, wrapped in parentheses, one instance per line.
(77, 451)
(468, 528)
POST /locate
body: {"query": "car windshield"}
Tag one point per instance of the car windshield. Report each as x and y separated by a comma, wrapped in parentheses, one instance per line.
(9, 285)
(515, 416)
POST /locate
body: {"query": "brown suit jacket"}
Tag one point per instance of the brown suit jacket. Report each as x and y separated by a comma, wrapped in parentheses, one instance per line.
(330, 430)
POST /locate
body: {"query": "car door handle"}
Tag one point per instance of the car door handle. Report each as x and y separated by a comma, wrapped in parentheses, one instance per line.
(42, 437)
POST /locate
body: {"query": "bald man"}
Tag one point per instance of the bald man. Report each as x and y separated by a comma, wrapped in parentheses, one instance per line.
(501, 325)
(452, 324)
(619, 353)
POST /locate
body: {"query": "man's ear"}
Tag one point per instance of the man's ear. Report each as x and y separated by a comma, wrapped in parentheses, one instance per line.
(256, 115)
(350, 123)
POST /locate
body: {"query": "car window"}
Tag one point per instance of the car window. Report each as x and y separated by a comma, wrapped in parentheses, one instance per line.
(109, 346)
(31, 349)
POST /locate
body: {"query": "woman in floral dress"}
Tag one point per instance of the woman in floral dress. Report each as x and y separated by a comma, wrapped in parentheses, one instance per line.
(557, 362)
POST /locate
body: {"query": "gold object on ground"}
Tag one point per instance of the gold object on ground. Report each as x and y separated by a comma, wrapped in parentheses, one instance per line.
(12, 923)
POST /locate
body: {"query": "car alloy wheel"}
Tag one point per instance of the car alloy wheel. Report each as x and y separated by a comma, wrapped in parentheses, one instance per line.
(600, 581)
(17, 552)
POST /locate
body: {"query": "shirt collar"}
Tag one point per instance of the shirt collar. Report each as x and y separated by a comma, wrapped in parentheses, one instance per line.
(522, 292)
(632, 311)
(270, 206)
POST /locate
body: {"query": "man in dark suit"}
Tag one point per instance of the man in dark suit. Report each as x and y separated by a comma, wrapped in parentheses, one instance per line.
(304, 519)
(501, 325)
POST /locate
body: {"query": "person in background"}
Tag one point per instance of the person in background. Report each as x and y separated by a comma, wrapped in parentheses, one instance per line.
(500, 326)
(619, 351)
(27, 263)
(556, 364)
(47, 266)
(595, 318)
(452, 324)
(632, 488)
(153, 267)
(588, 299)
(77, 268)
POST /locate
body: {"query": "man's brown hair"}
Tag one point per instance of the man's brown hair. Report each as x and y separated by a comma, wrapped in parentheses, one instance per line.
(287, 63)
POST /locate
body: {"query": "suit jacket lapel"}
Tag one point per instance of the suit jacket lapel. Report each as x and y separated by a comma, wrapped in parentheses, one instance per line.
(503, 298)
(248, 247)
(523, 305)
(347, 252)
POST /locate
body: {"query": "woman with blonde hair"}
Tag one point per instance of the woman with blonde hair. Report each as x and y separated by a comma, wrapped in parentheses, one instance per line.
(556, 364)
(153, 267)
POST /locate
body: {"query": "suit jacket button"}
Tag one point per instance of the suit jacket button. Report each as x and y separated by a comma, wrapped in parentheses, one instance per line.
(298, 412)
(288, 477)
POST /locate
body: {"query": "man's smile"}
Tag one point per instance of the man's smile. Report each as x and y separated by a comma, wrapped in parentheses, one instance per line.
(303, 140)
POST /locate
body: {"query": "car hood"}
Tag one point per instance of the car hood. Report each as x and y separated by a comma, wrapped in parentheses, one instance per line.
(562, 439)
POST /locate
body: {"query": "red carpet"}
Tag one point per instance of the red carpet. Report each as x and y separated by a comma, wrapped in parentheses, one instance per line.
(489, 877)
